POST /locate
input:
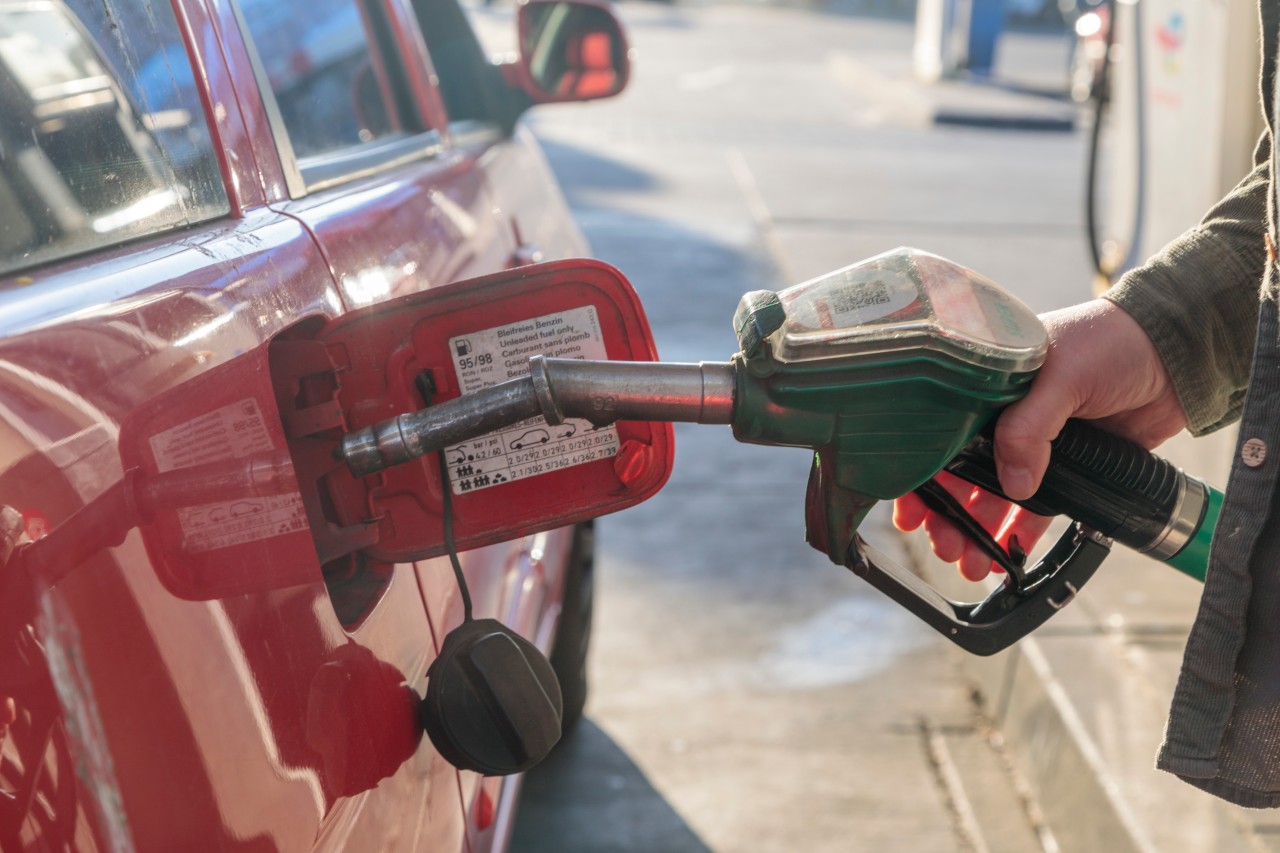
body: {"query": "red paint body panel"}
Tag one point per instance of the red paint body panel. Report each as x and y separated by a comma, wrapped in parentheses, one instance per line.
(191, 681)
(167, 684)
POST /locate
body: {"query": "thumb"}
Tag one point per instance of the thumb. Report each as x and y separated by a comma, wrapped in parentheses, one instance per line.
(1022, 438)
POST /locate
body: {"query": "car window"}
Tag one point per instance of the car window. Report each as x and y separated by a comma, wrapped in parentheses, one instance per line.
(331, 69)
(103, 135)
(470, 85)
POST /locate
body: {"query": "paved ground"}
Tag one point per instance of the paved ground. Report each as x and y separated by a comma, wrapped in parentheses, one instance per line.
(748, 695)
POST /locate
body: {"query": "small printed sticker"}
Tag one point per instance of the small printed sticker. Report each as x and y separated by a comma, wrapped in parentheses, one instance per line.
(232, 432)
(36, 524)
(531, 447)
(854, 298)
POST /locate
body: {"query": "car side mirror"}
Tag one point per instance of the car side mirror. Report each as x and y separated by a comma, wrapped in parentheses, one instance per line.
(571, 50)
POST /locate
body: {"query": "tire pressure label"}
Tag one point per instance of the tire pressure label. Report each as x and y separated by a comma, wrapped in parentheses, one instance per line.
(231, 432)
(530, 447)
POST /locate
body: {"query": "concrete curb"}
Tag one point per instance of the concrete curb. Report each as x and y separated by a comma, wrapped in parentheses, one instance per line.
(1042, 734)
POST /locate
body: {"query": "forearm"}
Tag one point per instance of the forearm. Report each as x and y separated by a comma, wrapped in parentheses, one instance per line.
(1197, 299)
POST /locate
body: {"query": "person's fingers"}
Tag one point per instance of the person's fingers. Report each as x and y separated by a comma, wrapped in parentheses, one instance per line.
(947, 541)
(962, 490)
(909, 512)
(1023, 433)
(989, 510)
(1006, 522)
(975, 563)
(1020, 526)
(1024, 526)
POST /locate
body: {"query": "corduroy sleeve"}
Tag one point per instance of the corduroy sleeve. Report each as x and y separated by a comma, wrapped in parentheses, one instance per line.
(1198, 297)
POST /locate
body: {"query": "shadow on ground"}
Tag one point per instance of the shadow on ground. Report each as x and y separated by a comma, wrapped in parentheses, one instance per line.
(581, 171)
(589, 796)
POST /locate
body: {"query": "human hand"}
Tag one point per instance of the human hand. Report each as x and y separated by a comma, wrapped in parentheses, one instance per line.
(1101, 366)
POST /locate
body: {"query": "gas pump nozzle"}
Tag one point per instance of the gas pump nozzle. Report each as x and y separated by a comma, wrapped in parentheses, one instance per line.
(890, 370)
(556, 388)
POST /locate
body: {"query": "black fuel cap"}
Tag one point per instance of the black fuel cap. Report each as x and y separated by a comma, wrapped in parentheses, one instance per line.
(493, 702)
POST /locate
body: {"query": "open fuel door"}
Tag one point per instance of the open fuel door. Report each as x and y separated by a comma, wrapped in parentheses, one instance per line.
(429, 347)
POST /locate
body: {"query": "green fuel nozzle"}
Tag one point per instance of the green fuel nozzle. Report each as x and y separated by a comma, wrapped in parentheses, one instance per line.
(891, 370)
(887, 369)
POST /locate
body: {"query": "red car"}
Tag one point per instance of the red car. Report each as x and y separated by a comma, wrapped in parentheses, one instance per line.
(209, 642)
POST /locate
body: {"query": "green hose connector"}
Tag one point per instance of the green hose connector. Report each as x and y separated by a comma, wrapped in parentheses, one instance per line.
(1193, 559)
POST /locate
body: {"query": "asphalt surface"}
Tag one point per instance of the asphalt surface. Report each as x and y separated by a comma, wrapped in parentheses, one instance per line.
(746, 694)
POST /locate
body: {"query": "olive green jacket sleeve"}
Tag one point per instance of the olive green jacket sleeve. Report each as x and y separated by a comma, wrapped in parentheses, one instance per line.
(1198, 299)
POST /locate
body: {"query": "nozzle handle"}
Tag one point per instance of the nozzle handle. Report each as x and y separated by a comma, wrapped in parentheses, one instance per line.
(1008, 613)
(1115, 487)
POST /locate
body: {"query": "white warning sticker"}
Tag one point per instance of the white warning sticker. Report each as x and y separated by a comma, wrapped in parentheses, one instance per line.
(231, 432)
(530, 447)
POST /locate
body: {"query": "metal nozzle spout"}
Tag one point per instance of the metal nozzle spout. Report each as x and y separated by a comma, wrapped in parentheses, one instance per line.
(556, 388)
(608, 391)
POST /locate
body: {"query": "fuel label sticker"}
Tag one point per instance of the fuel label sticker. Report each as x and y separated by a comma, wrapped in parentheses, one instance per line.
(531, 447)
(861, 298)
(231, 432)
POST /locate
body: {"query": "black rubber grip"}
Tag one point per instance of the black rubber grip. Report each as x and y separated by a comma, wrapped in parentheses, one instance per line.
(1106, 482)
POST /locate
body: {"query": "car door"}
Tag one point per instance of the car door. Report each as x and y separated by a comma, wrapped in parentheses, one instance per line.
(187, 678)
(397, 181)
(396, 204)
(524, 582)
